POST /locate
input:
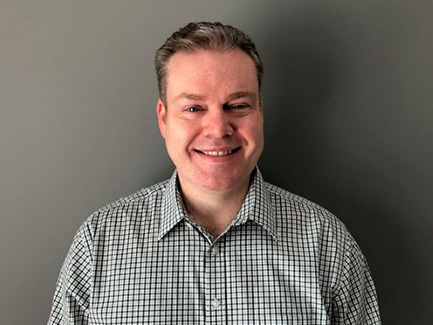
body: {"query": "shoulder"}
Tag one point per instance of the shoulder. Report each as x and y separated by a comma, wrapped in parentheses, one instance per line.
(125, 210)
(290, 205)
(140, 197)
(312, 230)
(308, 224)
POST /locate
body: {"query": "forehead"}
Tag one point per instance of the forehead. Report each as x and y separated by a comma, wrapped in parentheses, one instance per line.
(209, 70)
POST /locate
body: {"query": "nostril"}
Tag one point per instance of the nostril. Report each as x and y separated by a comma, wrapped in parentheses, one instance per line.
(219, 129)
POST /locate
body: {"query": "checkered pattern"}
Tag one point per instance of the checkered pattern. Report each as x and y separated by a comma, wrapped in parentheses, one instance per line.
(283, 260)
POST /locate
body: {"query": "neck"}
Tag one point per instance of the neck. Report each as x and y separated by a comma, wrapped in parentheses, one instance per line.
(214, 210)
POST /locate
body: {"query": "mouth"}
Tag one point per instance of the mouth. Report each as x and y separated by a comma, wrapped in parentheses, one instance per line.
(215, 153)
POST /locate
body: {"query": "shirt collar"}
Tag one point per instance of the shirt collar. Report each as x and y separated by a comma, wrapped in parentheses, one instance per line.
(257, 206)
(173, 209)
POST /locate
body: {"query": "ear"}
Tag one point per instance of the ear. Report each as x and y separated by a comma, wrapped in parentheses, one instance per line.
(161, 111)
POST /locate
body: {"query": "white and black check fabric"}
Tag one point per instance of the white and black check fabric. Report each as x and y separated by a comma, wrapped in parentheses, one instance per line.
(283, 260)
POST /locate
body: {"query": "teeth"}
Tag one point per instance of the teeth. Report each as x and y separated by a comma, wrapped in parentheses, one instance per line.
(217, 153)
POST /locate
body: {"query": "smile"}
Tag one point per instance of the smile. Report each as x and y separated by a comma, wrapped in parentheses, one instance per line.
(218, 153)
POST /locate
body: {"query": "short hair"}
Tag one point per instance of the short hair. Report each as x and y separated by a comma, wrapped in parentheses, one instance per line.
(203, 36)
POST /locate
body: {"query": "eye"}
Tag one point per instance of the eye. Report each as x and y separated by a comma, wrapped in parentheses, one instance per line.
(238, 106)
(192, 109)
(241, 106)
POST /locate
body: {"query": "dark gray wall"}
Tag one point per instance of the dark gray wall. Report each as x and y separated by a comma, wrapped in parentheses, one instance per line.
(348, 109)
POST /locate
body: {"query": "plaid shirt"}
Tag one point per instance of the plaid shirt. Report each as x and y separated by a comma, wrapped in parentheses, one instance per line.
(283, 260)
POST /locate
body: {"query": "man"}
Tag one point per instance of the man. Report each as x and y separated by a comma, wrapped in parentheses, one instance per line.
(215, 244)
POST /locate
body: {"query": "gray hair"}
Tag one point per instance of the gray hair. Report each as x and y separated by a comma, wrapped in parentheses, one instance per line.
(203, 36)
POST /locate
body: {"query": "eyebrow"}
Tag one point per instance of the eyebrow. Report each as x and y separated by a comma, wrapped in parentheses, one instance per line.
(189, 96)
(236, 95)
(241, 94)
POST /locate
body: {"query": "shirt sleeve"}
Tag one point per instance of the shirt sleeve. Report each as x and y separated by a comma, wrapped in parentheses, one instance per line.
(73, 288)
(355, 301)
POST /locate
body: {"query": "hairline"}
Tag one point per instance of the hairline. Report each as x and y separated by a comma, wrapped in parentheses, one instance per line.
(198, 36)
(210, 49)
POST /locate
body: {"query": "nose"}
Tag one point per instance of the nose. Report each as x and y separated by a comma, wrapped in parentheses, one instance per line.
(217, 124)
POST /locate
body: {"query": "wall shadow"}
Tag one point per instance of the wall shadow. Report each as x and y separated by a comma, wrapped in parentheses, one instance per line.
(305, 62)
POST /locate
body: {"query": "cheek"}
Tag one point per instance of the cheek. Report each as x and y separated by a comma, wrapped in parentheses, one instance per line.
(254, 131)
(180, 133)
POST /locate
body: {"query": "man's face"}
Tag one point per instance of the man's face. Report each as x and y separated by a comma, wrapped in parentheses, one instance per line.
(213, 122)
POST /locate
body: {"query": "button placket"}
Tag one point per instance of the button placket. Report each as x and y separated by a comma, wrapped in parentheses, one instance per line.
(215, 285)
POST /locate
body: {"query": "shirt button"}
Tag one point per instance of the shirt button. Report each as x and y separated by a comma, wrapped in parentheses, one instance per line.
(216, 303)
(215, 249)
(189, 225)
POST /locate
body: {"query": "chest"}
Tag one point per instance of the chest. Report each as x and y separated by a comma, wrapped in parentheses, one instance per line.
(246, 277)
